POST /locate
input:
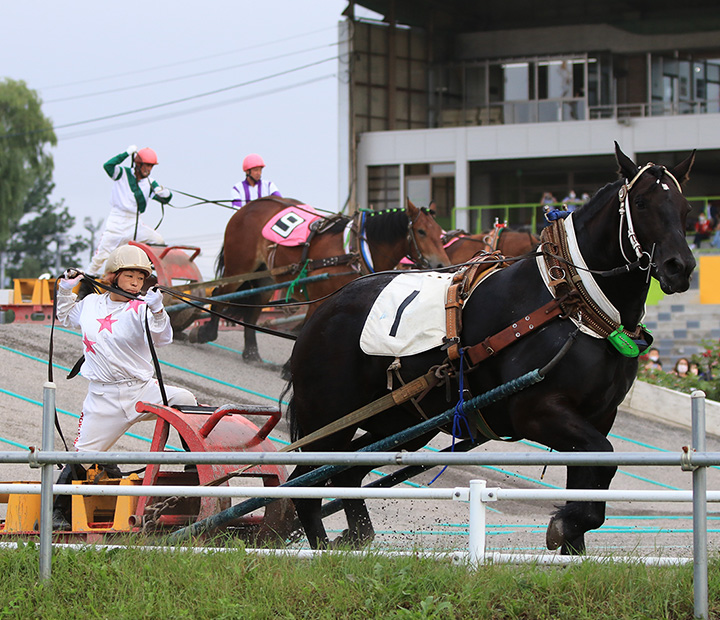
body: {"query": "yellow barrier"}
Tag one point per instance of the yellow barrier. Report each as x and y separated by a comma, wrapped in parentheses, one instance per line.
(710, 279)
(32, 291)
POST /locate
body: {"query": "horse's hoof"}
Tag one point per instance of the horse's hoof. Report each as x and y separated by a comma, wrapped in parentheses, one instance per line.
(352, 540)
(252, 357)
(574, 547)
(554, 536)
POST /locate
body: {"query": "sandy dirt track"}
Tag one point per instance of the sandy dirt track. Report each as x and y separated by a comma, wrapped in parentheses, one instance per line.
(216, 374)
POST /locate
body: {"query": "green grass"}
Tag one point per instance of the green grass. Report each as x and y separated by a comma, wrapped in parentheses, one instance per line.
(136, 583)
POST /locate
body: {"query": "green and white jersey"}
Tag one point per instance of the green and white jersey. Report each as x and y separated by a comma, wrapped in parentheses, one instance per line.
(129, 195)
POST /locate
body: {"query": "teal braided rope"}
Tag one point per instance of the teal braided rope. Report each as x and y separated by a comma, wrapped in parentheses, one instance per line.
(293, 284)
(503, 391)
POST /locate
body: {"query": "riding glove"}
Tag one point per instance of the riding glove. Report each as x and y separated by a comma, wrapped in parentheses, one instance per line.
(70, 279)
(153, 299)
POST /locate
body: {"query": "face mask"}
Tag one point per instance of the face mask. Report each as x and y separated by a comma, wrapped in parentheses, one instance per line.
(654, 358)
(682, 368)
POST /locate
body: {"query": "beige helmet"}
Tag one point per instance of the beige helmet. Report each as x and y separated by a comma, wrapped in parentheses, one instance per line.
(128, 257)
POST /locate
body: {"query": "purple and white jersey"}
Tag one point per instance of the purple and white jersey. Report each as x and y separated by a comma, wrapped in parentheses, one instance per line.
(243, 192)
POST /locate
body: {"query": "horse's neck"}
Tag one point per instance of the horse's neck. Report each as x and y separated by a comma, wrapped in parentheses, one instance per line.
(388, 253)
(386, 256)
(599, 242)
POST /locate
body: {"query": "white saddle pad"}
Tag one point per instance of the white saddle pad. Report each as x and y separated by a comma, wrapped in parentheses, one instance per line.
(408, 317)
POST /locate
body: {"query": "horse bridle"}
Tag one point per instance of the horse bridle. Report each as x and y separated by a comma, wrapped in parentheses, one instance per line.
(421, 262)
(624, 210)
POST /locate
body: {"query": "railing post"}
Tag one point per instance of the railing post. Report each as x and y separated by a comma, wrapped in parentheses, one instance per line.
(700, 554)
(476, 525)
(46, 481)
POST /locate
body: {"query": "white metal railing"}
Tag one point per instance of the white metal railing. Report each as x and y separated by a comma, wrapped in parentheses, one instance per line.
(693, 459)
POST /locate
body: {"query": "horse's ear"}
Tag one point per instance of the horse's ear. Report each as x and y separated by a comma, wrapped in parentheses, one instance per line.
(628, 168)
(682, 171)
(411, 210)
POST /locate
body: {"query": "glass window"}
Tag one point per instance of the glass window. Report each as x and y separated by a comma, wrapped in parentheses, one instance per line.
(516, 82)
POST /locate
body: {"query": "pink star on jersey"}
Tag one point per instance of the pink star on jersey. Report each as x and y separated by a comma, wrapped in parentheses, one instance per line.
(134, 304)
(106, 323)
(88, 344)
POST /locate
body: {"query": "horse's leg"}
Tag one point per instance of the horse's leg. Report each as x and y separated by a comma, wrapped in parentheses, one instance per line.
(570, 522)
(360, 529)
(207, 332)
(560, 427)
(308, 512)
(251, 353)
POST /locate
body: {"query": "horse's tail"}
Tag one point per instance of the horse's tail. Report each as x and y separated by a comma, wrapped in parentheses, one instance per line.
(290, 411)
(220, 263)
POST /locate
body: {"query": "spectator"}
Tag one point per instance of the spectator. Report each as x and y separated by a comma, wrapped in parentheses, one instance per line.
(548, 199)
(653, 360)
(682, 367)
(703, 228)
(571, 201)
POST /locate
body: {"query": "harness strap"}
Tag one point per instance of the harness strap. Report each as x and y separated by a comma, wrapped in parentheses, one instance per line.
(463, 283)
(492, 344)
(397, 397)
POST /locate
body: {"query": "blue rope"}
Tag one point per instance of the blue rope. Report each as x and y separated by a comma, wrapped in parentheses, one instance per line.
(459, 416)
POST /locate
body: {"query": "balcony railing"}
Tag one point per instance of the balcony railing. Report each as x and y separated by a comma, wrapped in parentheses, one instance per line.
(558, 110)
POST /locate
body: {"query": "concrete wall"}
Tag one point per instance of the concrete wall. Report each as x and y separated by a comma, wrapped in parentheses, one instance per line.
(574, 39)
(459, 145)
(668, 406)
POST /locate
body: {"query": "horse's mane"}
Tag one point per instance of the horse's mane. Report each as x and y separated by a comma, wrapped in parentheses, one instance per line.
(387, 226)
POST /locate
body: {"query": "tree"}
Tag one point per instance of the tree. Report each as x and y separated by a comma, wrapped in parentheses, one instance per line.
(25, 132)
(40, 242)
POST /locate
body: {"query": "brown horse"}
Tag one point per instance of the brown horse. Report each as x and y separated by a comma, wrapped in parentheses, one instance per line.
(379, 239)
(461, 247)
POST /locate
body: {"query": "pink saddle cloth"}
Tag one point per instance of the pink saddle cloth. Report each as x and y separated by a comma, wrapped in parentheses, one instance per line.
(291, 226)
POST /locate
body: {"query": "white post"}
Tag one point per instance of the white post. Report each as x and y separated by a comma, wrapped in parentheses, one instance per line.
(476, 534)
(699, 478)
(46, 481)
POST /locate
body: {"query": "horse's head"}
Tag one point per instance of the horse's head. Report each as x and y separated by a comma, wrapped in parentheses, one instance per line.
(655, 211)
(425, 238)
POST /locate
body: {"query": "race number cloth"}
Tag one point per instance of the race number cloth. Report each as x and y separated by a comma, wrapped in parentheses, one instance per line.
(408, 317)
(291, 226)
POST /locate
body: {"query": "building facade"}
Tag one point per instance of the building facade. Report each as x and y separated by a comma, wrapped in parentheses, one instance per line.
(477, 103)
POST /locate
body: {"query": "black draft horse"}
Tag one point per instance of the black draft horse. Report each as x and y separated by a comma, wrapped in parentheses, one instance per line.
(571, 410)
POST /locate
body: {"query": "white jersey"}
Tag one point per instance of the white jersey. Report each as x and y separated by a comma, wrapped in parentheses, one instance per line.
(113, 335)
(243, 192)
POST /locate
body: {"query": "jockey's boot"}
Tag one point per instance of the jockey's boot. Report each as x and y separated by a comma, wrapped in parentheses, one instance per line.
(62, 503)
(59, 521)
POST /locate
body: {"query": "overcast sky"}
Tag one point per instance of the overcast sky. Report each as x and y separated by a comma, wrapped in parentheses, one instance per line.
(90, 59)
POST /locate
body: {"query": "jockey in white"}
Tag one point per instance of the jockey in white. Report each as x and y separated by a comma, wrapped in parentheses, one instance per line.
(130, 194)
(253, 186)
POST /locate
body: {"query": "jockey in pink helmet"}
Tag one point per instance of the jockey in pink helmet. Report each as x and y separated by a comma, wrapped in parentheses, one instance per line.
(253, 187)
(131, 192)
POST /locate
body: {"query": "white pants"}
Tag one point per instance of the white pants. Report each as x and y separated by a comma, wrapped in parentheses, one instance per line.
(119, 229)
(109, 410)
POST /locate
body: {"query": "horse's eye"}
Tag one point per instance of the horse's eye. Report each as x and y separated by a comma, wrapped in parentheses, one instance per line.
(422, 232)
(640, 202)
